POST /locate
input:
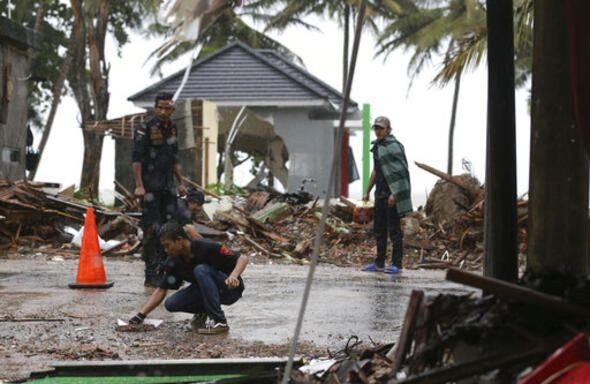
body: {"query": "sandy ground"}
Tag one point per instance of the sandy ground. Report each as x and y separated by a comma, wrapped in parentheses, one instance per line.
(63, 324)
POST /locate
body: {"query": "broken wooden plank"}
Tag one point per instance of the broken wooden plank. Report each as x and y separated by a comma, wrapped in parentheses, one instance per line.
(261, 248)
(475, 367)
(205, 191)
(418, 244)
(258, 199)
(512, 291)
(8, 319)
(131, 199)
(404, 343)
(347, 202)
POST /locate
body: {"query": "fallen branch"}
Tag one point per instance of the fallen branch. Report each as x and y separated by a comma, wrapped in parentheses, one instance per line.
(474, 193)
(27, 319)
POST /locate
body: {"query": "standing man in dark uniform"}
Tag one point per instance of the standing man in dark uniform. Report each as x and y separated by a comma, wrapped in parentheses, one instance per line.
(155, 164)
(393, 200)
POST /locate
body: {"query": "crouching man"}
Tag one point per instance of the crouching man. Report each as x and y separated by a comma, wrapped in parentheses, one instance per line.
(213, 271)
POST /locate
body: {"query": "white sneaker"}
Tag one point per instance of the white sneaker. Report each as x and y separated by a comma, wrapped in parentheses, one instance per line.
(212, 328)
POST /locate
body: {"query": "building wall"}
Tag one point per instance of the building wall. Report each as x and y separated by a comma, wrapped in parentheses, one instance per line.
(123, 171)
(310, 144)
(14, 67)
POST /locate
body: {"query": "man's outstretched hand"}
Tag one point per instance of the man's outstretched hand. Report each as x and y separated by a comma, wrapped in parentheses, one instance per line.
(137, 319)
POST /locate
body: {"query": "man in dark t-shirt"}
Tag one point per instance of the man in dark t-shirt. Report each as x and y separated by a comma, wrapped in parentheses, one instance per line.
(213, 271)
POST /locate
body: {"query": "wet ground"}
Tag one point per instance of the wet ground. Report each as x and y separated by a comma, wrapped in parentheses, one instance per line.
(42, 320)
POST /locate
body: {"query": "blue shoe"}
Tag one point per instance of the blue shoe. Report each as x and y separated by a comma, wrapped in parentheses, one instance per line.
(392, 269)
(372, 268)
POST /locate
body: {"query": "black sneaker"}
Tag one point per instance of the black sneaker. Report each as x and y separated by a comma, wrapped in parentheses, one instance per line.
(213, 327)
(152, 282)
(198, 321)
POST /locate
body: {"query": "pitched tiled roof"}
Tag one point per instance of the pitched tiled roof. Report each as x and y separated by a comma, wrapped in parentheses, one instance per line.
(239, 74)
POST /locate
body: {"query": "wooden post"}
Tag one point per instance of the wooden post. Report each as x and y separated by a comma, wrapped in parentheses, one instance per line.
(500, 228)
(558, 206)
(400, 350)
(206, 173)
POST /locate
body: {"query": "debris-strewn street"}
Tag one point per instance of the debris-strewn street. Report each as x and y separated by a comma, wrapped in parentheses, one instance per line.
(42, 320)
(268, 226)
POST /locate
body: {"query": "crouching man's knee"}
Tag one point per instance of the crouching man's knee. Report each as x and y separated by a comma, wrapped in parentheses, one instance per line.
(202, 270)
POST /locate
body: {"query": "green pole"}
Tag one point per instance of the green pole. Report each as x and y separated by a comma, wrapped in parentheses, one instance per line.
(366, 144)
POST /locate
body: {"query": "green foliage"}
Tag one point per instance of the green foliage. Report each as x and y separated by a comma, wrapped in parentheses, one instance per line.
(53, 33)
(85, 197)
(130, 15)
(219, 189)
(281, 14)
(459, 27)
(229, 27)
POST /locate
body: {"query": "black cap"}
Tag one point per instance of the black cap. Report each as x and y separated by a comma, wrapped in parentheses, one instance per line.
(195, 196)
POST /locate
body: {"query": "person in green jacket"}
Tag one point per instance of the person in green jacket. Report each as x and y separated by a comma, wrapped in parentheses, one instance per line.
(391, 179)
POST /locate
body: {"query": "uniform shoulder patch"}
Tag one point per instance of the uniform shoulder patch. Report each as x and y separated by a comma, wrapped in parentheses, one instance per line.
(225, 251)
(141, 129)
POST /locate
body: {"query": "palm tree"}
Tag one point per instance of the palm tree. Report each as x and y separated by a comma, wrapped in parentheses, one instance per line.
(227, 28)
(461, 24)
(427, 30)
(281, 14)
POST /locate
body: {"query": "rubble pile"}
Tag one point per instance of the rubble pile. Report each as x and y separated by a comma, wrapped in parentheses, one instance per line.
(276, 228)
(32, 214)
(497, 338)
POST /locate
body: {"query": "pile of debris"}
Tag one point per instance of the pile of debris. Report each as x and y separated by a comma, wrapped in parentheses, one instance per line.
(275, 228)
(497, 338)
(32, 214)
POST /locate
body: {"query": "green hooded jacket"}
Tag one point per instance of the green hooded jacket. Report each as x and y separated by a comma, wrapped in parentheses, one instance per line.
(394, 166)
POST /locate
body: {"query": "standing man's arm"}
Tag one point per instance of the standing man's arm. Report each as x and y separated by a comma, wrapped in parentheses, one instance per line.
(177, 167)
(370, 186)
(178, 174)
(140, 144)
(139, 188)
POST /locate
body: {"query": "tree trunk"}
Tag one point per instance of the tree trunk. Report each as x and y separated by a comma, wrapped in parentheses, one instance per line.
(90, 90)
(345, 45)
(56, 99)
(500, 228)
(452, 124)
(558, 206)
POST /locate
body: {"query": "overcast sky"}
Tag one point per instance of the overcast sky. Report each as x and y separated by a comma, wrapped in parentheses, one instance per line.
(420, 115)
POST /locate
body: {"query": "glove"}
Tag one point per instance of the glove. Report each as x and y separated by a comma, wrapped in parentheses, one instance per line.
(137, 319)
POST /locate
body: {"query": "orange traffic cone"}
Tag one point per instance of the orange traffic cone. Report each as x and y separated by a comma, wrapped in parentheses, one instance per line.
(90, 268)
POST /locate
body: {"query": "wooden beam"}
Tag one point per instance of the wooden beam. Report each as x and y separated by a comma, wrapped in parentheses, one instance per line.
(398, 352)
(472, 368)
(512, 291)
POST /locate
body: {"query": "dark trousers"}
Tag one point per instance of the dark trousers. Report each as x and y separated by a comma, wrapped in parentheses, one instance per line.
(206, 295)
(156, 208)
(387, 222)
